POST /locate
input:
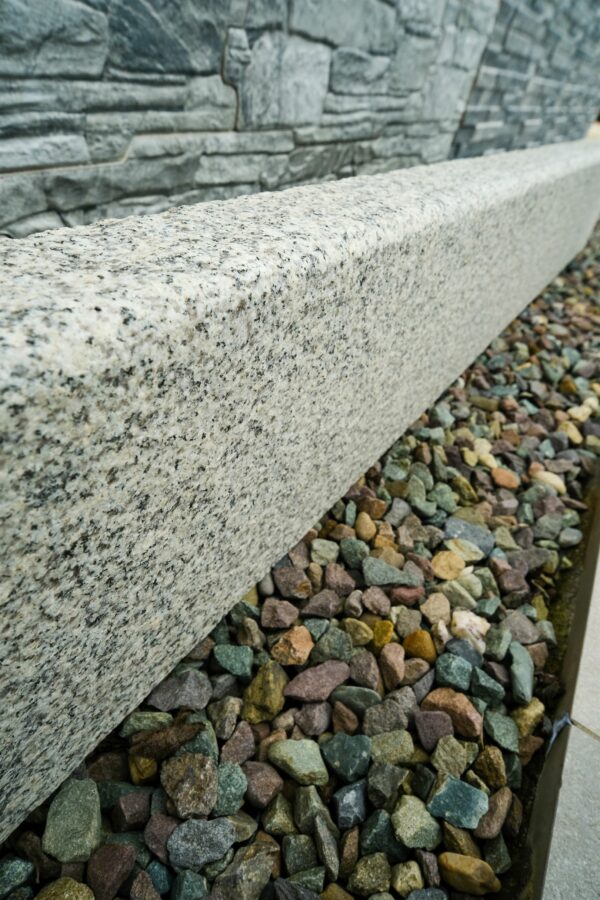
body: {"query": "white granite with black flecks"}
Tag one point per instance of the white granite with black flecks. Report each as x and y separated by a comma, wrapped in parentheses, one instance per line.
(168, 383)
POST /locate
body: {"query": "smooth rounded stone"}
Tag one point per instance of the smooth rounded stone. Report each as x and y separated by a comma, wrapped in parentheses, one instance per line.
(263, 698)
(245, 876)
(350, 805)
(278, 817)
(377, 835)
(393, 747)
(458, 803)
(570, 537)
(197, 842)
(453, 671)
(419, 644)
(292, 582)
(234, 659)
(436, 609)
(358, 699)
(486, 688)
(73, 827)
(299, 852)
(466, 720)
(353, 552)
(347, 756)
(455, 527)
(465, 873)
(191, 689)
(364, 670)
(190, 780)
(383, 784)
(107, 869)
(278, 613)
(521, 673)
(490, 766)
(407, 877)
(65, 889)
(371, 875)
(327, 848)
(386, 716)
(449, 756)
(301, 759)
(492, 822)
(157, 832)
(14, 872)
(231, 788)
(414, 826)
(325, 604)
(317, 683)
(431, 726)
(391, 665)
(189, 885)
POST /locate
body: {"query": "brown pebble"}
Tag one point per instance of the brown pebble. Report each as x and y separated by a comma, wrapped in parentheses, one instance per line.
(292, 582)
(294, 647)
(391, 664)
(108, 867)
(343, 718)
(278, 613)
(131, 812)
(157, 832)
(240, 745)
(318, 682)
(465, 718)
(264, 783)
(143, 889)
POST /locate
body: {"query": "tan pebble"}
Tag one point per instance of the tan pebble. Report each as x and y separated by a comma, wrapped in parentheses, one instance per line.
(468, 874)
(447, 565)
(505, 478)
(365, 527)
(436, 609)
(551, 479)
(293, 648)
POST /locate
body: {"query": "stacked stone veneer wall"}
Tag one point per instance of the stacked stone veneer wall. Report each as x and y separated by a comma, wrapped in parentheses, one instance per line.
(112, 107)
(539, 78)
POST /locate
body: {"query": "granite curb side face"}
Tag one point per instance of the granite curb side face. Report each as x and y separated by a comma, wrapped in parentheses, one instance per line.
(165, 379)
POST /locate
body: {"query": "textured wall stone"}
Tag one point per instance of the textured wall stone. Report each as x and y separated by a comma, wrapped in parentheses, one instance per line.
(356, 86)
(163, 378)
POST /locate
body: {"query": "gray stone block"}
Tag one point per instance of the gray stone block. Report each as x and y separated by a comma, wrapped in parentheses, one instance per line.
(166, 379)
(52, 37)
(161, 36)
(366, 24)
(53, 150)
(356, 72)
(285, 81)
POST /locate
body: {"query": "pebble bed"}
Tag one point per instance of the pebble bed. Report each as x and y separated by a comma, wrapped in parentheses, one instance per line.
(358, 724)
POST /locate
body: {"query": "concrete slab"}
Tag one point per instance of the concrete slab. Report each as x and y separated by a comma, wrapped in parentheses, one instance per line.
(574, 860)
(167, 382)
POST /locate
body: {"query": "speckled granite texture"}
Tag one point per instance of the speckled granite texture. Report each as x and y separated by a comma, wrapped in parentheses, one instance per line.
(167, 382)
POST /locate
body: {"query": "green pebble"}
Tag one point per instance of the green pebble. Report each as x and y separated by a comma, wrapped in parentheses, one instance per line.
(299, 853)
(393, 747)
(353, 552)
(324, 552)
(301, 759)
(521, 673)
(377, 836)
(458, 596)
(449, 756)
(358, 699)
(371, 875)
(236, 660)
(231, 787)
(190, 886)
(488, 607)
(335, 644)
(502, 729)
(204, 742)
(142, 855)
(347, 756)
(278, 817)
(145, 721)
(73, 825)
(14, 872)
(311, 879)
(458, 803)
(497, 642)
(378, 572)
(496, 855)
(351, 513)
(414, 826)
(317, 627)
(485, 687)
(453, 671)
(307, 805)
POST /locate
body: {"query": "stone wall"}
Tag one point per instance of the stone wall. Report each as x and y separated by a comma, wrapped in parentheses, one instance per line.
(539, 79)
(113, 107)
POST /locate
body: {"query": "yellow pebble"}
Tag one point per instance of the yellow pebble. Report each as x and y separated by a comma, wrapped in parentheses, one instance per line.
(572, 432)
(527, 718)
(420, 644)
(580, 413)
(447, 565)
(540, 607)
(383, 632)
(551, 479)
(365, 527)
(142, 769)
(488, 460)
(470, 457)
(360, 633)
(251, 596)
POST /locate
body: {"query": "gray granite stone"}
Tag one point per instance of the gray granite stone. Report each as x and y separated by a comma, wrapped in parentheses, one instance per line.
(158, 378)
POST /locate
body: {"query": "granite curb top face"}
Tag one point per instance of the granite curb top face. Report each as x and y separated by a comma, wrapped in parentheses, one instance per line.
(168, 381)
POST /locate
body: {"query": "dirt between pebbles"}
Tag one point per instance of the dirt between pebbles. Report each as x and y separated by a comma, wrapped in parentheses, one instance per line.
(360, 723)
